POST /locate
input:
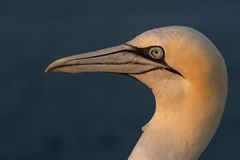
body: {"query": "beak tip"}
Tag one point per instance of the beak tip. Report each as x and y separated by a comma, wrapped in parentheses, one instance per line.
(50, 68)
(46, 70)
(53, 67)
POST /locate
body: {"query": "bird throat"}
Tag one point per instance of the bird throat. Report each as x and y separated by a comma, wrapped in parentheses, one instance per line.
(182, 125)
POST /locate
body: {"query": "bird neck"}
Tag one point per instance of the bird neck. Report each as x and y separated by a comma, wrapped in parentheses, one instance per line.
(184, 122)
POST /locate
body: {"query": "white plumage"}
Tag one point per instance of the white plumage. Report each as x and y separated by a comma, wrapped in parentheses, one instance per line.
(188, 78)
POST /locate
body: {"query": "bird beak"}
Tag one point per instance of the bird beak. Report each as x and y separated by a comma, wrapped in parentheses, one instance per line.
(119, 59)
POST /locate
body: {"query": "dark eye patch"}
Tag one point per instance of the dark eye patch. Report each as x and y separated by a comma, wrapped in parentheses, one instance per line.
(145, 53)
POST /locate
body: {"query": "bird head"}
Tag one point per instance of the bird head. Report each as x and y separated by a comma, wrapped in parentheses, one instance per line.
(175, 52)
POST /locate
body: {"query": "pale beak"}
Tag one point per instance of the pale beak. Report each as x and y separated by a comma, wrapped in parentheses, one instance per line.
(119, 59)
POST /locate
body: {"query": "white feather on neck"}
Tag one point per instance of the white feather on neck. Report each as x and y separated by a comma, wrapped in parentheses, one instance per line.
(183, 122)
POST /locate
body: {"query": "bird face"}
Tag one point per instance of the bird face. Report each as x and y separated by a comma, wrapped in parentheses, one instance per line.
(127, 58)
(180, 52)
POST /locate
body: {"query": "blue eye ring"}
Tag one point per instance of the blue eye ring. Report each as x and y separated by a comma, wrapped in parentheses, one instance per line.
(156, 52)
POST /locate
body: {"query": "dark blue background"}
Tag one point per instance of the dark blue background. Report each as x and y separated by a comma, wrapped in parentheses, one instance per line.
(96, 116)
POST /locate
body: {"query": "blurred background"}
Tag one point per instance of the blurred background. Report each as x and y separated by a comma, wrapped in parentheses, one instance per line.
(96, 116)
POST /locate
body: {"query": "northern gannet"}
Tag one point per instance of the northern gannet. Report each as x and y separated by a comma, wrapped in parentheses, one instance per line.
(188, 78)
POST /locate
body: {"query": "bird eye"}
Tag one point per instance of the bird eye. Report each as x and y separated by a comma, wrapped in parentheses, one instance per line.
(156, 52)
